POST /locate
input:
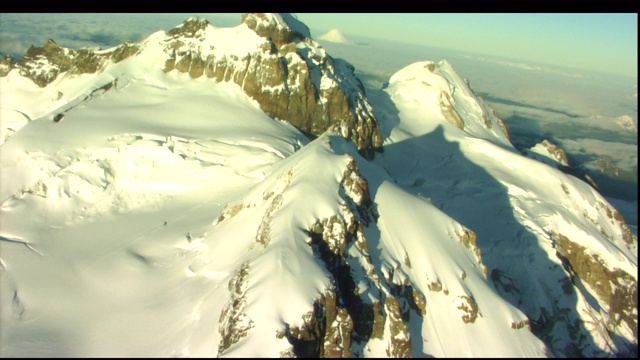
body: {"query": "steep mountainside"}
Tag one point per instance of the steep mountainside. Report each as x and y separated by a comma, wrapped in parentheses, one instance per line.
(164, 198)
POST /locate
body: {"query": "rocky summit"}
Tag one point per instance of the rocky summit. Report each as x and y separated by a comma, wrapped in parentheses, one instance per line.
(286, 72)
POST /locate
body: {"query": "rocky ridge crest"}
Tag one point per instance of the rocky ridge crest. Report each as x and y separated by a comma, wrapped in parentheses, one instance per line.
(289, 74)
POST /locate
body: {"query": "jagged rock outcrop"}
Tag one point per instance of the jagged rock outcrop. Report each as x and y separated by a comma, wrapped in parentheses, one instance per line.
(548, 152)
(289, 75)
(616, 289)
(43, 64)
(326, 331)
(503, 125)
(349, 317)
(6, 64)
(234, 324)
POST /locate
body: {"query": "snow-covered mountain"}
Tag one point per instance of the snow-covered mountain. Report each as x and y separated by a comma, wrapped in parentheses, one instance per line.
(336, 36)
(234, 192)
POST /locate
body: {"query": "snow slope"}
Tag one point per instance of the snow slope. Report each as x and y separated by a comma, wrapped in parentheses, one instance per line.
(102, 270)
(170, 216)
(517, 206)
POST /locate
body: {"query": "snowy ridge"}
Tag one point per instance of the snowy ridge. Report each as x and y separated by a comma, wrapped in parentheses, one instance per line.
(169, 214)
(482, 168)
(448, 92)
(270, 56)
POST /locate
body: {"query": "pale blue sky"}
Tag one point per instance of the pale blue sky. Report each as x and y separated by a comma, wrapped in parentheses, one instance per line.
(585, 41)
(604, 42)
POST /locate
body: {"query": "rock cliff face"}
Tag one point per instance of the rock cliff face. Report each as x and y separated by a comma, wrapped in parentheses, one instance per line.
(44, 64)
(6, 64)
(289, 74)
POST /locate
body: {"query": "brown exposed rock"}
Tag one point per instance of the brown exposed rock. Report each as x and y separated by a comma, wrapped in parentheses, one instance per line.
(123, 51)
(378, 321)
(326, 331)
(420, 301)
(336, 240)
(468, 239)
(6, 64)
(450, 114)
(338, 338)
(230, 211)
(470, 309)
(503, 125)
(520, 324)
(52, 54)
(278, 76)
(410, 299)
(43, 64)
(189, 27)
(487, 121)
(435, 286)
(85, 62)
(558, 154)
(400, 345)
(617, 218)
(267, 26)
(591, 182)
(617, 289)
(234, 324)
(263, 235)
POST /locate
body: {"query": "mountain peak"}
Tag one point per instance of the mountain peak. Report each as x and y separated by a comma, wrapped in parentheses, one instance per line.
(190, 26)
(336, 36)
(280, 28)
(270, 56)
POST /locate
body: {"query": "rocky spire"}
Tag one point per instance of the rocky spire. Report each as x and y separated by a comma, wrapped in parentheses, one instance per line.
(279, 28)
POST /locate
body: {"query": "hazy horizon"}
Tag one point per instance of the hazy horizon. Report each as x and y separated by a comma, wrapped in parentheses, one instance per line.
(596, 42)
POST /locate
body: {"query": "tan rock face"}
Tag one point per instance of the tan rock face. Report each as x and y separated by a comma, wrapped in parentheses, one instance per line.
(326, 331)
(616, 288)
(272, 28)
(556, 151)
(400, 345)
(234, 323)
(6, 64)
(312, 91)
(43, 64)
(50, 54)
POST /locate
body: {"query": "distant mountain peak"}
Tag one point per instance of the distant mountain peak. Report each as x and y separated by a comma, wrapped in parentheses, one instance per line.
(335, 36)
